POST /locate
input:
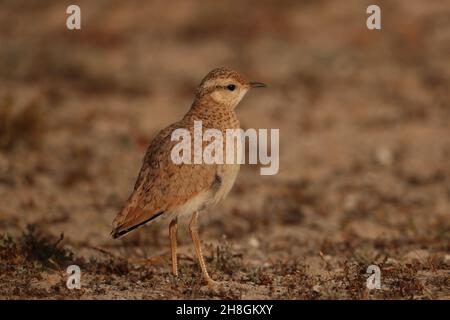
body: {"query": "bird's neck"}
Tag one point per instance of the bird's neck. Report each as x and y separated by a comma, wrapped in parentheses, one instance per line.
(213, 114)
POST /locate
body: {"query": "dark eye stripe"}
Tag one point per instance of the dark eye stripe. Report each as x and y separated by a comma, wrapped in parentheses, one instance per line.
(225, 87)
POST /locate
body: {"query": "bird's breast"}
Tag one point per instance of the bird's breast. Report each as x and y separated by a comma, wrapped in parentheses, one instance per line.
(225, 177)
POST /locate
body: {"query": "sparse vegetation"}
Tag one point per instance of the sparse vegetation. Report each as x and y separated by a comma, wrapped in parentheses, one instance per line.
(364, 148)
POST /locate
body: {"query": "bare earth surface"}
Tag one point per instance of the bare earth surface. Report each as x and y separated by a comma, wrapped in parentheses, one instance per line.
(364, 119)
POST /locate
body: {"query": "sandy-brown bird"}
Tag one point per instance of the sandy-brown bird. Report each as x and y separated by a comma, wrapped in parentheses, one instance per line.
(164, 188)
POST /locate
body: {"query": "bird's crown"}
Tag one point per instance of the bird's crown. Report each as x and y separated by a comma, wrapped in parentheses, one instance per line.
(222, 74)
(225, 87)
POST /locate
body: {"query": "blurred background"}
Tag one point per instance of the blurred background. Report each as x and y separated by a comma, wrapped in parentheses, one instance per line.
(364, 147)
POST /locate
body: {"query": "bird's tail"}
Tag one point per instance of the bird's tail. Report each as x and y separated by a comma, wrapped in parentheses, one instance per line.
(131, 218)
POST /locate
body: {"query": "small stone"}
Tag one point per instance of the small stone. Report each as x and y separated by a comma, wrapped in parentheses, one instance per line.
(384, 156)
(316, 288)
(253, 242)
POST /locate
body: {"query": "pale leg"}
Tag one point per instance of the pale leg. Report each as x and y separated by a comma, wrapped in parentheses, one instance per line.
(193, 228)
(173, 245)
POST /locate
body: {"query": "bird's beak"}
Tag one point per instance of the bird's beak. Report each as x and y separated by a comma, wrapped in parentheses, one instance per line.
(254, 84)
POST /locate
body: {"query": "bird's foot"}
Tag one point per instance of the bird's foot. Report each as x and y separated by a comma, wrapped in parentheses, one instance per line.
(211, 283)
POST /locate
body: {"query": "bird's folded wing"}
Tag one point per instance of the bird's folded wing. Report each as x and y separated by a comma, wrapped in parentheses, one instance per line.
(162, 185)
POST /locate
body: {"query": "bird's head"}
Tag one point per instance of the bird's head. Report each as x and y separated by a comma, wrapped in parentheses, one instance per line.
(226, 87)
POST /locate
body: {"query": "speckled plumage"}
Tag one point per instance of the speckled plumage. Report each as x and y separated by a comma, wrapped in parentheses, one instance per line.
(164, 188)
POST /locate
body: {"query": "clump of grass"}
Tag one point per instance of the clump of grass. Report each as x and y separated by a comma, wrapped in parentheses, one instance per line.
(8, 252)
(32, 251)
(353, 279)
(260, 277)
(226, 261)
(403, 282)
(43, 249)
(20, 126)
(296, 283)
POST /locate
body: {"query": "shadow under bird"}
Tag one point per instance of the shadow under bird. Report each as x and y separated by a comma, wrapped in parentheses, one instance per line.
(164, 188)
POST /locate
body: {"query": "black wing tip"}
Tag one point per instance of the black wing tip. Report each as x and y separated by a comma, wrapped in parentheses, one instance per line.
(117, 233)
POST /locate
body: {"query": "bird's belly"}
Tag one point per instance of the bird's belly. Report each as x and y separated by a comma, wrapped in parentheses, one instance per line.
(205, 199)
(199, 202)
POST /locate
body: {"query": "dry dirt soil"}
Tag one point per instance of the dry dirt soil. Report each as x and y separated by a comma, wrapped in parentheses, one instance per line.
(364, 147)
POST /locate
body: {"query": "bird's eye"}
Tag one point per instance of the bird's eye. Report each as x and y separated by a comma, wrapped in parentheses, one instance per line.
(231, 87)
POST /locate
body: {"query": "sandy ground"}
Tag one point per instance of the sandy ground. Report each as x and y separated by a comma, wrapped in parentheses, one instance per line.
(364, 148)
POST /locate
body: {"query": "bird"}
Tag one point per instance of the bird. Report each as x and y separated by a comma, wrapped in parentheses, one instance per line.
(167, 189)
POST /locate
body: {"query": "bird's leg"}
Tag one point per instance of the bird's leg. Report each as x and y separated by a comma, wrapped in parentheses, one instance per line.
(193, 228)
(173, 245)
